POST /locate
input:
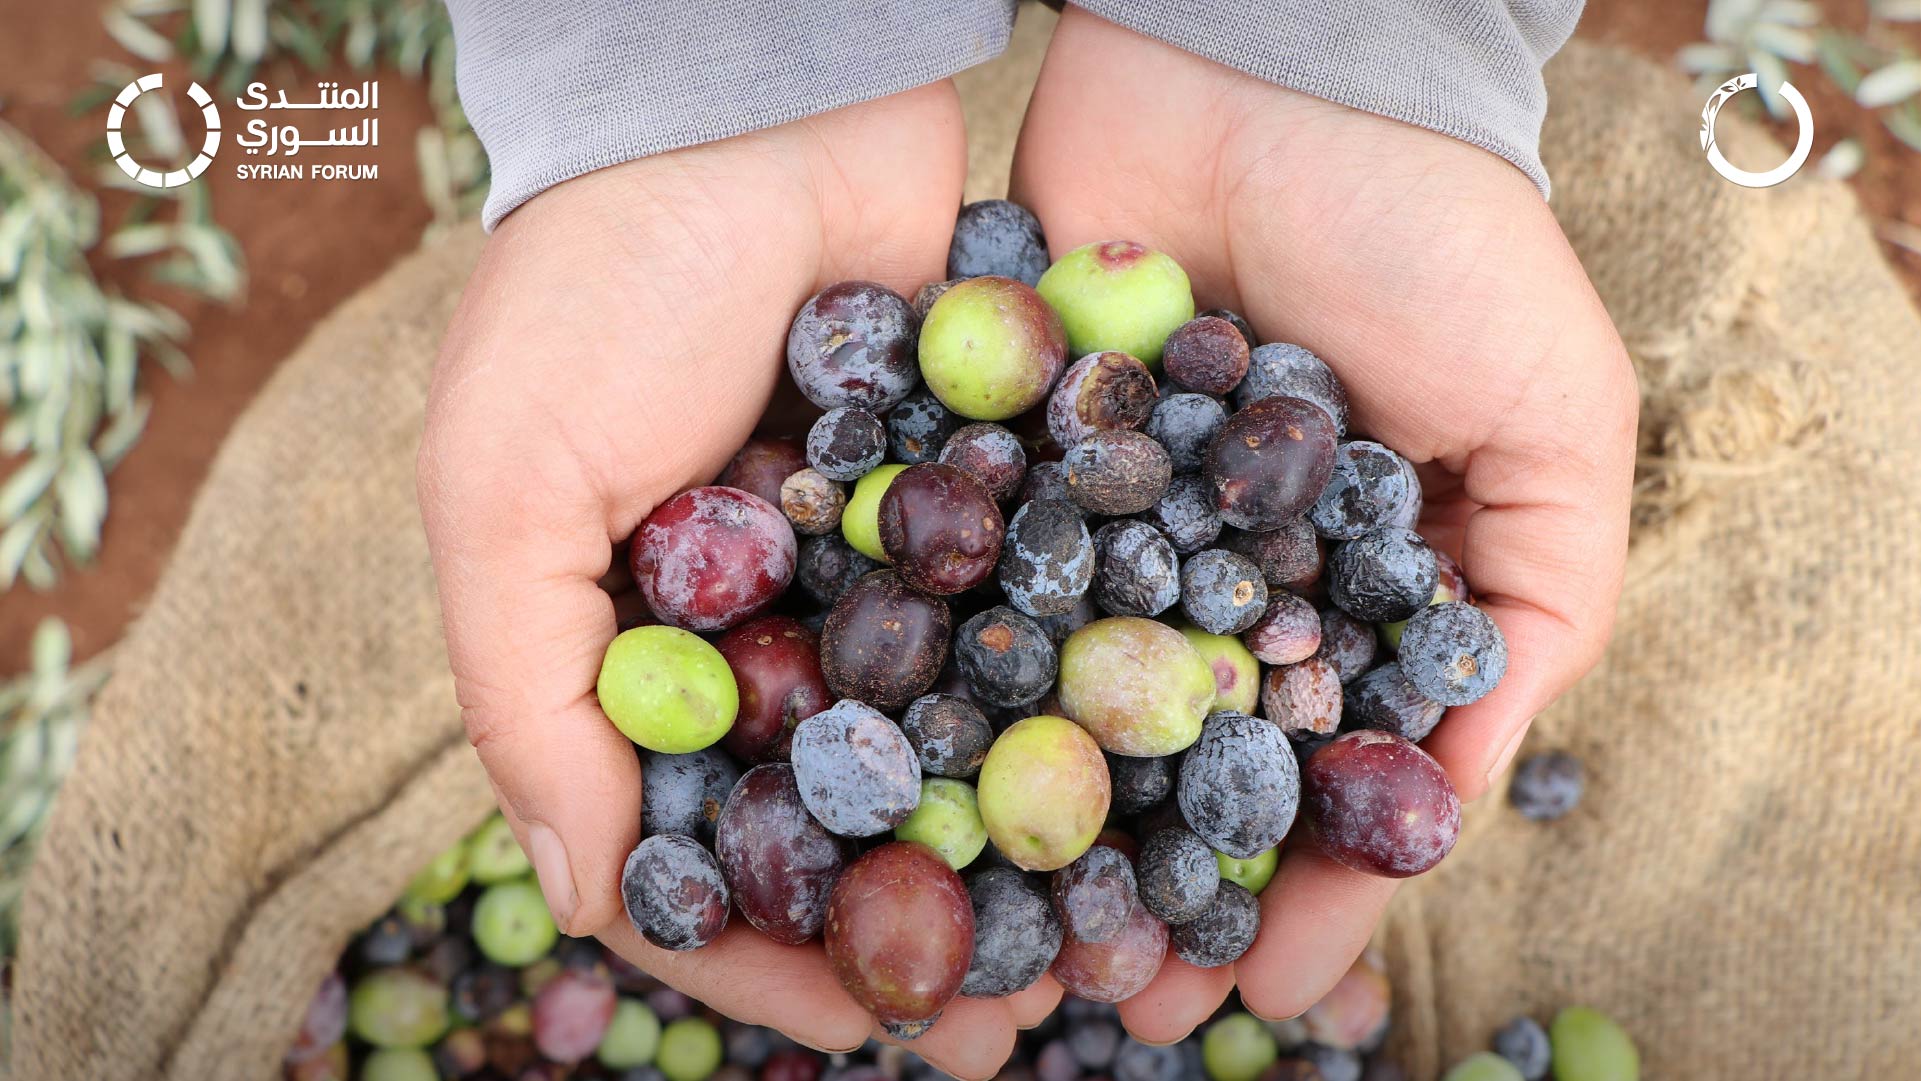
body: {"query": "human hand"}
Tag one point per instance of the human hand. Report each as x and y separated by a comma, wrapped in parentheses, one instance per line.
(1432, 278)
(618, 341)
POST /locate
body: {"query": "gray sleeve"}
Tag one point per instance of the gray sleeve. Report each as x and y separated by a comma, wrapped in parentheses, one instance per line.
(555, 90)
(1466, 68)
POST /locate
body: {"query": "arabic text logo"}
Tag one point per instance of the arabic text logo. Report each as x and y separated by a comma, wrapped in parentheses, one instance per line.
(273, 139)
(150, 177)
(1804, 141)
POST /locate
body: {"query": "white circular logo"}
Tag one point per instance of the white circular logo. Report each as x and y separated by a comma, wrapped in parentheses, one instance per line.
(1803, 143)
(173, 178)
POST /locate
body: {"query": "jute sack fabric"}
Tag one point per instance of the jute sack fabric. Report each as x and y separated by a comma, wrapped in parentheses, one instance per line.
(1741, 886)
(279, 749)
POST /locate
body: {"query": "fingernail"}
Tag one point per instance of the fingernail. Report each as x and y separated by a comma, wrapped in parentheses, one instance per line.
(828, 1050)
(556, 877)
(1507, 754)
(1164, 1043)
(1269, 1020)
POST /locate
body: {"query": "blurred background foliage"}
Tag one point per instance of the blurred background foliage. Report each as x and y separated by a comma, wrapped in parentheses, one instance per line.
(74, 353)
(1877, 66)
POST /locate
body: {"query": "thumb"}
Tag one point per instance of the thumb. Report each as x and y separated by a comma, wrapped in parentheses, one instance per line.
(526, 627)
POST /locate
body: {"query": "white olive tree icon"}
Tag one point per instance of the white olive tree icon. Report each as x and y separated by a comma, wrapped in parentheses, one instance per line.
(1804, 141)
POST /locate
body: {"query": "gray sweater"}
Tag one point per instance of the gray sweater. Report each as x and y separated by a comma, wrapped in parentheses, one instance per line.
(555, 90)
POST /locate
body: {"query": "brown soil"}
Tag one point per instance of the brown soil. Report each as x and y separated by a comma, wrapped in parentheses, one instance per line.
(310, 245)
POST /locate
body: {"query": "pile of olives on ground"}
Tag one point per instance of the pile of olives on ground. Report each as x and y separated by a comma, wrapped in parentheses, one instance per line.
(467, 979)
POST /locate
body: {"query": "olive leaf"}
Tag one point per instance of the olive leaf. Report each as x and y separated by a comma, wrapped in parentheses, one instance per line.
(250, 35)
(1901, 235)
(1889, 85)
(1767, 36)
(70, 353)
(137, 37)
(1904, 124)
(211, 18)
(42, 712)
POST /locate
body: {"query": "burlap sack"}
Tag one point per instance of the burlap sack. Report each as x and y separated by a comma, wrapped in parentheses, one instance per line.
(1741, 886)
(279, 749)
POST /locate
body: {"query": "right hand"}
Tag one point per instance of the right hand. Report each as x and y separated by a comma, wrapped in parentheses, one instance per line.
(1433, 279)
(617, 343)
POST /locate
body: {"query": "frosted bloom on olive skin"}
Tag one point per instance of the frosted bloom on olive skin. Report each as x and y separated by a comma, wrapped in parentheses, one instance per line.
(1281, 369)
(995, 236)
(857, 773)
(1453, 652)
(1185, 424)
(1223, 591)
(710, 557)
(1016, 933)
(990, 454)
(778, 860)
(1239, 785)
(1380, 805)
(846, 443)
(1221, 934)
(1047, 559)
(1096, 894)
(1385, 574)
(1137, 572)
(949, 735)
(1119, 968)
(852, 344)
(673, 892)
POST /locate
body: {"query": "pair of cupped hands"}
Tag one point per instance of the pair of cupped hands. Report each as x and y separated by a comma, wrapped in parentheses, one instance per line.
(624, 331)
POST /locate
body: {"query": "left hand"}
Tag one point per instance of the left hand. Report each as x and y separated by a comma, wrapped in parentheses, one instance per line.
(1430, 275)
(616, 344)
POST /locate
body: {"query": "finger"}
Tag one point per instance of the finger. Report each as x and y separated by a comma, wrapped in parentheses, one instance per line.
(972, 1040)
(1543, 542)
(1176, 1001)
(1032, 1006)
(619, 577)
(520, 542)
(1316, 918)
(1158, 89)
(1546, 654)
(525, 663)
(519, 550)
(1445, 508)
(751, 978)
(1544, 556)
